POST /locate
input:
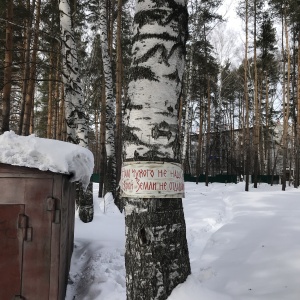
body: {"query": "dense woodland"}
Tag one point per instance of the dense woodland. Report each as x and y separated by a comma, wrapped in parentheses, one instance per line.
(239, 110)
(156, 82)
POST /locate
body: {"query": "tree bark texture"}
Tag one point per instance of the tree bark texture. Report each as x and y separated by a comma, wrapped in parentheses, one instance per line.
(29, 99)
(75, 114)
(7, 68)
(247, 132)
(27, 43)
(297, 160)
(286, 100)
(110, 103)
(156, 248)
(119, 94)
(185, 135)
(200, 142)
(102, 162)
(256, 112)
(50, 100)
(208, 148)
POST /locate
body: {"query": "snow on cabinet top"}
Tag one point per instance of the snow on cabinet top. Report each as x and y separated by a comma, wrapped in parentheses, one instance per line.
(45, 154)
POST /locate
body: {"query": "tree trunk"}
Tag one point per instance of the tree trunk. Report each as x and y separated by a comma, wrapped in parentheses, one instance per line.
(119, 100)
(247, 131)
(185, 137)
(7, 67)
(102, 164)
(297, 163)
(29, 99)
(50, 99)
(75, 114)
(57, 99)
(256, 112)
(208, 152)
(286, 101)
(110, 104)
(61, 113)
(261, 135)
(26, 72)
(199, 147)
(156, 248)
(268, 139)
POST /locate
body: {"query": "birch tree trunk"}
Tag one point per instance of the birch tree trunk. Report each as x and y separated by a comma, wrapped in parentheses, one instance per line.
(75, 114)
(102, 163)
(185, 135)
(297, 160)
(119, 66)
(156, 255)
(110, 104)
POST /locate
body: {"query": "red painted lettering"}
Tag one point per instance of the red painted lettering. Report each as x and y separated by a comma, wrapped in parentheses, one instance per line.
(176, 174)
(162, 173)
(125, 173)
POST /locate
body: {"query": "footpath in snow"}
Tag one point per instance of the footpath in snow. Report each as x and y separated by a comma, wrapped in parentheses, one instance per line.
(242, 246)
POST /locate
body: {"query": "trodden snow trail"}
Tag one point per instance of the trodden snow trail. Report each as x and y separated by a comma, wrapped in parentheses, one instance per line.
(98, 267)
(206, 210)
(242, 246)
(255, 254)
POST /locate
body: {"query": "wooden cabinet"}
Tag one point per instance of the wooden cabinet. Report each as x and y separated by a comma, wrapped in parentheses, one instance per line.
(36, 233)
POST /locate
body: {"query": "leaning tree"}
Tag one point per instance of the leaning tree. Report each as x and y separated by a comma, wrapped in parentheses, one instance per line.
(152, 179)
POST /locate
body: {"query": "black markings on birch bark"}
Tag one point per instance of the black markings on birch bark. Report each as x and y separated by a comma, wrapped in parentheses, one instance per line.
(158, 58)
(75, 113)
(110, 102)
(156, 256)
(156, 260)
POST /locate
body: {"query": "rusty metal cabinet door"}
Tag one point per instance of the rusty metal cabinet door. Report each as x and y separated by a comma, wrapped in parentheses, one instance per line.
(37, 247)
(11, 250)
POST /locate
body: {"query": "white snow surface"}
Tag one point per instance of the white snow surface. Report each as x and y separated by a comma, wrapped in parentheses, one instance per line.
(242, 246)
(45, 154)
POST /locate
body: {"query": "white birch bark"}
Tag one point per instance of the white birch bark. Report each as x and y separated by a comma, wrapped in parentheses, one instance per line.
(110, 100)
(75, 114)
(186, 131)
(153, 93)
(156, 255)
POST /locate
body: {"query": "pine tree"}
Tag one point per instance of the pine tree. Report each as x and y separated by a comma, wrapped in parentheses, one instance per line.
(8, 60)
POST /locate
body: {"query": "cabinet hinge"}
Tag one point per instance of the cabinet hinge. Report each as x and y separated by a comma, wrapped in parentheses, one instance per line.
(52, 207)
(25, 230)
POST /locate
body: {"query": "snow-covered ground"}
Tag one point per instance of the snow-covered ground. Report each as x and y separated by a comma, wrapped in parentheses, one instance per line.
(242, 246)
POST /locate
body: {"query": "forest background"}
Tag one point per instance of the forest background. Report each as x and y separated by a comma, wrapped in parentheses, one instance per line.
(239, 108)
